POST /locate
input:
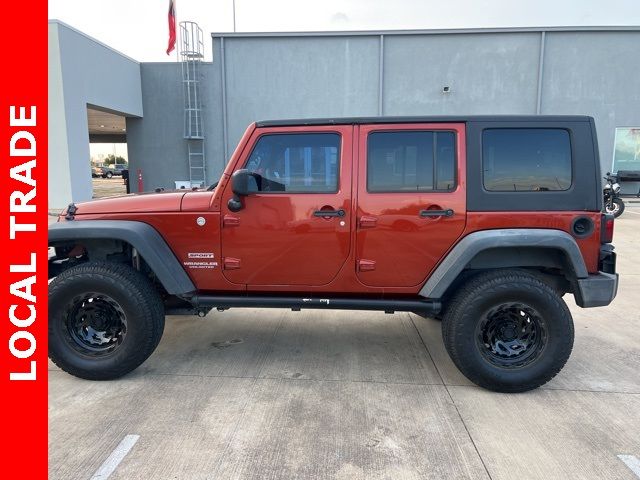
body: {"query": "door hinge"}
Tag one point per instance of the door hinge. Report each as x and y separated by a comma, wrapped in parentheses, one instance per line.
(366, 265)
(230, 263)
(367, 221)
(230, 221)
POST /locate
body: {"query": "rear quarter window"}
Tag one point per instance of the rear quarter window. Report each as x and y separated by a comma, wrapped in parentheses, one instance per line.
(526, 159)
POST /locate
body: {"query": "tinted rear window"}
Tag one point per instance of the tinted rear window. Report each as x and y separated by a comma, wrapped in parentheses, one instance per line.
(410, 161)
(526, 159)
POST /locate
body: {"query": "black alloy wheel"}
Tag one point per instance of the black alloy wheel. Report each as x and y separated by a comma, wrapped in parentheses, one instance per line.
(511, 335)
(96, 324)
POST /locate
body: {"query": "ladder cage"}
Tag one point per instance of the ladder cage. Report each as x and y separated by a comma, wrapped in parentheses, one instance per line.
(191, 55)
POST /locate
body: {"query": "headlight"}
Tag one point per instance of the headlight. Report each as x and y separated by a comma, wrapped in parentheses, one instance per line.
(616, 187)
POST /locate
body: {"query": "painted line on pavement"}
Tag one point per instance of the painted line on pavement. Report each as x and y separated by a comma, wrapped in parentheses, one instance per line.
(635, 213)
(632, 462)
(118, 454)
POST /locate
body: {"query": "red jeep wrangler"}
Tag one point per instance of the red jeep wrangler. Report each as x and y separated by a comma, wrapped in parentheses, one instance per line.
(484, 222)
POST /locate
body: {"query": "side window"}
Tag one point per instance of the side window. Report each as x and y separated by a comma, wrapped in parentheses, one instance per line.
(411, 161)
(526, 159)
(302, 163)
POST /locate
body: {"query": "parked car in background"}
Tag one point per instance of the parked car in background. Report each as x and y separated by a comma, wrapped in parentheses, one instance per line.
(102, 172)
(108, 171)
(105, 172)
(117, 169)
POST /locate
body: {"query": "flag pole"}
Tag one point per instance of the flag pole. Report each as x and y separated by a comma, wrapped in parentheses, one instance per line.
(178, 32)
(234, 16)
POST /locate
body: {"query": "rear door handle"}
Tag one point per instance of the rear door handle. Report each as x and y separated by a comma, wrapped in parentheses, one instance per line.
(329, 213)
(436, 213)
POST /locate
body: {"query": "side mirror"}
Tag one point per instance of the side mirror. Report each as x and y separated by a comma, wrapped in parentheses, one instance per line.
(240, 188)
(240, 182)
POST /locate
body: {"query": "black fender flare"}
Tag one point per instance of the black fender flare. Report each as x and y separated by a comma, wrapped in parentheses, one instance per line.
(474, 243)
(143, 237)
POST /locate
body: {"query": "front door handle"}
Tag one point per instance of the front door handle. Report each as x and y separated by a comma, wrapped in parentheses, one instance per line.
(436, 213)
(329, 213)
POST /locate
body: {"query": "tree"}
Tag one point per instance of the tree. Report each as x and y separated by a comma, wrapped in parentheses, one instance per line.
(112, 159)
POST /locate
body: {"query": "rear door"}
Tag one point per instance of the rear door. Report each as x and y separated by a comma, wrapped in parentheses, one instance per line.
(411, 200)
(295, 228)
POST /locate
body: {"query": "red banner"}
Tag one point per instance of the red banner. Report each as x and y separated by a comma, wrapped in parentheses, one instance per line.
(23, 345)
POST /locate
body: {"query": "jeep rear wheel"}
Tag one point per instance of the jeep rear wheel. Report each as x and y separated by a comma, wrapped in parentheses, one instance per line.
(508, 331)
(105, 319)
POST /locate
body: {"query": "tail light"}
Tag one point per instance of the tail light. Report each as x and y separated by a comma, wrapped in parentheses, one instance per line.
(606, 228)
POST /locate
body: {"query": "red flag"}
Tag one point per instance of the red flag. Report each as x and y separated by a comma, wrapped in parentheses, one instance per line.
(172, 27)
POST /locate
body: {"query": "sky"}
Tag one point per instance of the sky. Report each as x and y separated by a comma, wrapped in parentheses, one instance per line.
(138, 28)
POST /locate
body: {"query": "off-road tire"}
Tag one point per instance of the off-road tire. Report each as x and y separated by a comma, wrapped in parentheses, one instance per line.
(136, 298)
(478, 300)
(108, 175)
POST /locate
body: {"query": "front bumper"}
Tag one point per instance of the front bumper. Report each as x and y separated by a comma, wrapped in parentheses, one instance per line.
(596, 290)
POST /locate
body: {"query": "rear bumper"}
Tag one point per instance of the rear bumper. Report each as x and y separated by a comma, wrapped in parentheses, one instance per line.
(596, 290)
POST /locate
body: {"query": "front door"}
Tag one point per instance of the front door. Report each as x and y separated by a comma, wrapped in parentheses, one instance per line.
(295, 229)
(411, 200)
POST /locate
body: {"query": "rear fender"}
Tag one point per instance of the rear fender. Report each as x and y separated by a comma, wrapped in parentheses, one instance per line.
(501, 248)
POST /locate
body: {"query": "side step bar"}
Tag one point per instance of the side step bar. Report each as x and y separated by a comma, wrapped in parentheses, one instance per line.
(328, 303)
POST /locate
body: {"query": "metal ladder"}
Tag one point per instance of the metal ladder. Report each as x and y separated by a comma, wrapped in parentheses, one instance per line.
(191, 56)
(197, 169)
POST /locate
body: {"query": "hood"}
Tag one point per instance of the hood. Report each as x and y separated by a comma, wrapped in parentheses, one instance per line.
(133, 203)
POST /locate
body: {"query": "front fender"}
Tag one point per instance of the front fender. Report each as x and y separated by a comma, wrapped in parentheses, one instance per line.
(143, 237)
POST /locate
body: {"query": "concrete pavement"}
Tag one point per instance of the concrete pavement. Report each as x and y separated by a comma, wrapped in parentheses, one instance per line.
(273, 394)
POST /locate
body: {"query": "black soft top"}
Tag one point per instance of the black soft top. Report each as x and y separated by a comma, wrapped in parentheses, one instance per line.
(585, 193)
(423, 119)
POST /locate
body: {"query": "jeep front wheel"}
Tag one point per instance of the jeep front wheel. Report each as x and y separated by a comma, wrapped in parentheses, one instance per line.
(508, 331)
(105, 319)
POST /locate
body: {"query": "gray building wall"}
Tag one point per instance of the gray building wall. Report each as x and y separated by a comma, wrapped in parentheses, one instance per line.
(155, 143)
(487, 74)
(272, 76)
(82, 72)
(593, 73)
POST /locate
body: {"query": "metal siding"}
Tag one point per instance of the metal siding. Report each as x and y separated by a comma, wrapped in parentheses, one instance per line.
(487, 73)
(282, 76)
(156, 144)
(594, 73)
(300, 77)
